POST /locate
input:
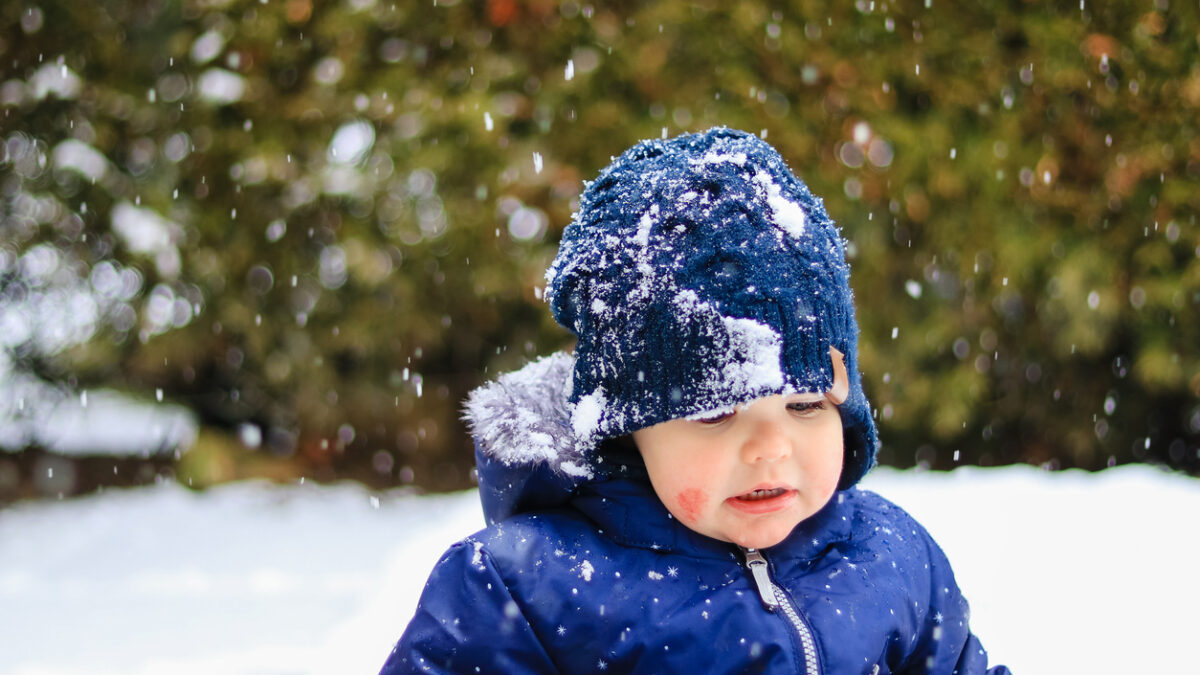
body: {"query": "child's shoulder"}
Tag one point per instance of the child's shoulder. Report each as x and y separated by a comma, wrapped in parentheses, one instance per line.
(530, 540)
(873, 505)
(872, 516)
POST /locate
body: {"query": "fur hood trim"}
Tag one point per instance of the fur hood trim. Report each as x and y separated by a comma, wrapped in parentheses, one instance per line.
(523, 418)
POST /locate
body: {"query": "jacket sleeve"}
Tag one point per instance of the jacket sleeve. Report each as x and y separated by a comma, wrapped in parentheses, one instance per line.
(467, 621)
(946, 644)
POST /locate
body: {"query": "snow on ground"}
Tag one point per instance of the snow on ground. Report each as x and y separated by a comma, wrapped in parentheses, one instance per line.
(1066, 572)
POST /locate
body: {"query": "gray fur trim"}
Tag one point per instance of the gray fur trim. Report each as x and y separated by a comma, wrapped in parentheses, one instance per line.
(524, 417)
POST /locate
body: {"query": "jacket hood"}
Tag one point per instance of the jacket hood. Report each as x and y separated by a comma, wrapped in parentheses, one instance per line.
(527, 454)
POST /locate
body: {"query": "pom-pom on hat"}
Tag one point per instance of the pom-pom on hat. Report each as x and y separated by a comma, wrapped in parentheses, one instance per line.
(699, 274)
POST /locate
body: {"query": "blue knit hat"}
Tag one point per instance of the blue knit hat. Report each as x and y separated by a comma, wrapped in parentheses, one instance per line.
(700, 274)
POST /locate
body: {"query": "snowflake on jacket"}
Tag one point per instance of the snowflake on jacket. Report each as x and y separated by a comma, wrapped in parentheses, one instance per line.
(701, 278)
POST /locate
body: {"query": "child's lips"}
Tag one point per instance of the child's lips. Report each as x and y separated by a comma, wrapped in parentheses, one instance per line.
(763, 500)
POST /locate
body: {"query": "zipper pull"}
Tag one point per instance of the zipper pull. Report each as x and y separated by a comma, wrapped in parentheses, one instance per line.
(758, 568)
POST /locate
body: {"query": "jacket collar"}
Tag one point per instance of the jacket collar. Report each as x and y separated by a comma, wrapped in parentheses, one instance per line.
(628, 511)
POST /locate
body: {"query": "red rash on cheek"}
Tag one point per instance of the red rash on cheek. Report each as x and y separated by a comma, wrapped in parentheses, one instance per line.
(691, 502)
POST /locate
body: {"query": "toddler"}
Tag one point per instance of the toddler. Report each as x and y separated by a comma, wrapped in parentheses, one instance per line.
(679, 494)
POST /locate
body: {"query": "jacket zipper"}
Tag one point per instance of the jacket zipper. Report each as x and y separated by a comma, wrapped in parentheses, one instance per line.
(774, 598)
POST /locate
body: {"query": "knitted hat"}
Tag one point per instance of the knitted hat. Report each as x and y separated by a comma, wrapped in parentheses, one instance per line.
(700, 274)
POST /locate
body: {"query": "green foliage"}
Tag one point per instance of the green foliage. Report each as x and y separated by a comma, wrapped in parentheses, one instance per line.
(1018, 183)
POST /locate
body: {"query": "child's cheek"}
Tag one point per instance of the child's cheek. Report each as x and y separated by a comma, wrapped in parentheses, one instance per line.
(691, 503)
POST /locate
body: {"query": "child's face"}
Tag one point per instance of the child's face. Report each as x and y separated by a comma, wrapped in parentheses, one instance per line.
(748, 477)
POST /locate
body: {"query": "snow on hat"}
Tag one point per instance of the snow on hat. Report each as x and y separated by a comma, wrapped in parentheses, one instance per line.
(698, 274)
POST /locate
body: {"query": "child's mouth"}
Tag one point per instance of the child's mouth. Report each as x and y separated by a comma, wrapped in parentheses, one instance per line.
(764, 500)
(756, 495)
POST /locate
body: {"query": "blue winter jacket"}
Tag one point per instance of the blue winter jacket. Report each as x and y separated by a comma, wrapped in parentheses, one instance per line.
(582, 569)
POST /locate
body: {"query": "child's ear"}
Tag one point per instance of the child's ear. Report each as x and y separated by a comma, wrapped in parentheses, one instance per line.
(841, 379)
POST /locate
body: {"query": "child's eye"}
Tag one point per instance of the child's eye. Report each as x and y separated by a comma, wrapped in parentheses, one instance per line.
(806, 407)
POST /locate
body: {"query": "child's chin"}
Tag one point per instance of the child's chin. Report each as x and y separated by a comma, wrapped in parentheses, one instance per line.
(763, 539)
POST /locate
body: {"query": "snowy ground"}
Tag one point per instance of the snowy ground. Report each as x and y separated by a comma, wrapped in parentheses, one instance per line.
(1067, 572)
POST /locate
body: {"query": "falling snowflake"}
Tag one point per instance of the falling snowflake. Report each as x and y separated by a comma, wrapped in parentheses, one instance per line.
(602, 664)
(672, 571)
(561, 630)
(938, 618)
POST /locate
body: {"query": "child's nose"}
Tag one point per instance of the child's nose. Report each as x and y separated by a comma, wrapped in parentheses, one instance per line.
(767, 443)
